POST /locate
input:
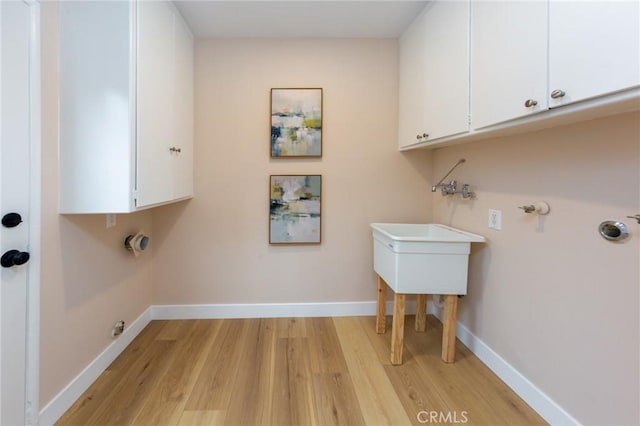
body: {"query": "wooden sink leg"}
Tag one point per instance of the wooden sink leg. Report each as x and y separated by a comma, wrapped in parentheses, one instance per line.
(397, 329)
(381, 311)
(449, 328)
(421, 312)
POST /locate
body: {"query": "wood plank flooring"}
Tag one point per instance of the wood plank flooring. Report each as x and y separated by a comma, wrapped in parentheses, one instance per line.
(294, 371)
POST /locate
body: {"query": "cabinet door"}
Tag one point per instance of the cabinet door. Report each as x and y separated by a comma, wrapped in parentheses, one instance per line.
(182, 164)
(446, 69)
(96, 107)
(508, 60)
(155, 106)
(594, 48)
(412, 79)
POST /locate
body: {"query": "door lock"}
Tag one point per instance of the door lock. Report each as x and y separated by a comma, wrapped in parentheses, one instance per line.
(11, 220)
(14, 258)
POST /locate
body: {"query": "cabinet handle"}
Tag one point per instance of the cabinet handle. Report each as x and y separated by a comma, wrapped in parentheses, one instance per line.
(556, 94)
(174, 149)
(530, 103)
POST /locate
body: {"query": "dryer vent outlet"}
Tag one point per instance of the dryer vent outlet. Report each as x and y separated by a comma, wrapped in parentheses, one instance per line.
(117, 329)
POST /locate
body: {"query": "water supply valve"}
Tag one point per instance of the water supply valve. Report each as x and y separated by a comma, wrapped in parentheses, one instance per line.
(539, 207)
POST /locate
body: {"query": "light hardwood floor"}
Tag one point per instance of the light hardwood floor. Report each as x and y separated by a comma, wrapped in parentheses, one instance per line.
(294, 371)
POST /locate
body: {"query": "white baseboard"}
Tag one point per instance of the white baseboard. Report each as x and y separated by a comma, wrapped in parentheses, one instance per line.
(530, 393)
(270, 310)
(67, 396)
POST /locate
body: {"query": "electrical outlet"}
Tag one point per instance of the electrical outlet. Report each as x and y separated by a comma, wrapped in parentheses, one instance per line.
(495, 219)
(111, 220)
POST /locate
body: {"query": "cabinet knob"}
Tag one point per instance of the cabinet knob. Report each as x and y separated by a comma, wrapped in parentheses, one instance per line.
(174, 149)
(530, 103)
(418, 136)
(556, 94)
(425, 135)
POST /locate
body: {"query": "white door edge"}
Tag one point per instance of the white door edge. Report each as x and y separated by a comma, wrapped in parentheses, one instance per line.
(32, 374)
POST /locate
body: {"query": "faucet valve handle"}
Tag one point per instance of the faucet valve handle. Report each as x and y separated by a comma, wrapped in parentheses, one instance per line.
(449, 188)
(466, 193)
(539, 207)
(528, 209)
(636, 217)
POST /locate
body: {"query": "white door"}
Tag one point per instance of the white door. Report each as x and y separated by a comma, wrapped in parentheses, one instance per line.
(15, 127)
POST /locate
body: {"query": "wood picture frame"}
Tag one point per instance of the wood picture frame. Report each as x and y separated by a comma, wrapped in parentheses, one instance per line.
(296, 123)
(295, 209)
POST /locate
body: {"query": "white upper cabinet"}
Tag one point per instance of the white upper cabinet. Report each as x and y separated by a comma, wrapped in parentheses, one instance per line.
(126, 106)
(594, 49)
(434, 74)
(526, 59)
(508, 60)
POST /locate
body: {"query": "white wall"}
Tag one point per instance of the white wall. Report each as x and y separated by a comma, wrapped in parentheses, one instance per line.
(215, 248)
(548, 294)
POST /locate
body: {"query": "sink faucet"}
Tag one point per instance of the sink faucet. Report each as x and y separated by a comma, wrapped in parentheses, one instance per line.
(446, 188)
(452, 187)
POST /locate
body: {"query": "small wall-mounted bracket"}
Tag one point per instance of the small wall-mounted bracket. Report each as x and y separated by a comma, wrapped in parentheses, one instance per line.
(118, 329)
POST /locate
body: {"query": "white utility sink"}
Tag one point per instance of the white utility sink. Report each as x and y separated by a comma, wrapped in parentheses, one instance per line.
(419, 258)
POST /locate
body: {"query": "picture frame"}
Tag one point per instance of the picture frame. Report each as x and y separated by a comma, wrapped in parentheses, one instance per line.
(295, 209)
(296, 122)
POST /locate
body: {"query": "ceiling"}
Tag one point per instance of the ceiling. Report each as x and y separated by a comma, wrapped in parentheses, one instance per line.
(298, 18)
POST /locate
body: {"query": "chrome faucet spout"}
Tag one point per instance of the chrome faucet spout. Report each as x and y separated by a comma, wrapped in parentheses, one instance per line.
(435, 187)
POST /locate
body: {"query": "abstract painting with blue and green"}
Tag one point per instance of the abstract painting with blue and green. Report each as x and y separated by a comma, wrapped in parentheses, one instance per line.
(296, 122)
(295, 209)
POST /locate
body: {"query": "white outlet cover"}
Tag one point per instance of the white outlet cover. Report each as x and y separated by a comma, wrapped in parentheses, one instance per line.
(495, 219)
(111, 220)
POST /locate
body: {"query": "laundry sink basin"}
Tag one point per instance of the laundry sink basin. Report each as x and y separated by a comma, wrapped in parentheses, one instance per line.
(422, 258)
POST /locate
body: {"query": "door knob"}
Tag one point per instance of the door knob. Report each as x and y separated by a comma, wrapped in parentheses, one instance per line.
(14, 258)
(11, 220)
